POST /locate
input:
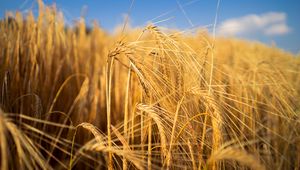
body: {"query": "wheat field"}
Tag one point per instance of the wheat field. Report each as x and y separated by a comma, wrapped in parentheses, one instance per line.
(146, 98)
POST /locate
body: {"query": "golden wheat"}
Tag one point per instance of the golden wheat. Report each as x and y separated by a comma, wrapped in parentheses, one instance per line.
(142, 99)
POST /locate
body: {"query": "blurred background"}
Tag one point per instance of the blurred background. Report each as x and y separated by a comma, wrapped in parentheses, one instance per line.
(273, 22)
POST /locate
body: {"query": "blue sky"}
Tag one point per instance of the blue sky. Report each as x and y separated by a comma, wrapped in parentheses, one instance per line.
(268, 21)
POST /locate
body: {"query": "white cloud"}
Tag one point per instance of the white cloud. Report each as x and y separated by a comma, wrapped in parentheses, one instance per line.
(271, 23)
(277, 29)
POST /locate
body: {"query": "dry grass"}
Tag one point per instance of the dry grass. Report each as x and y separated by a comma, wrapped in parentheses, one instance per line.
(144, 99)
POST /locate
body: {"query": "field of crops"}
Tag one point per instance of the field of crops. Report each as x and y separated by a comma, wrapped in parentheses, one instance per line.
(145, 98)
